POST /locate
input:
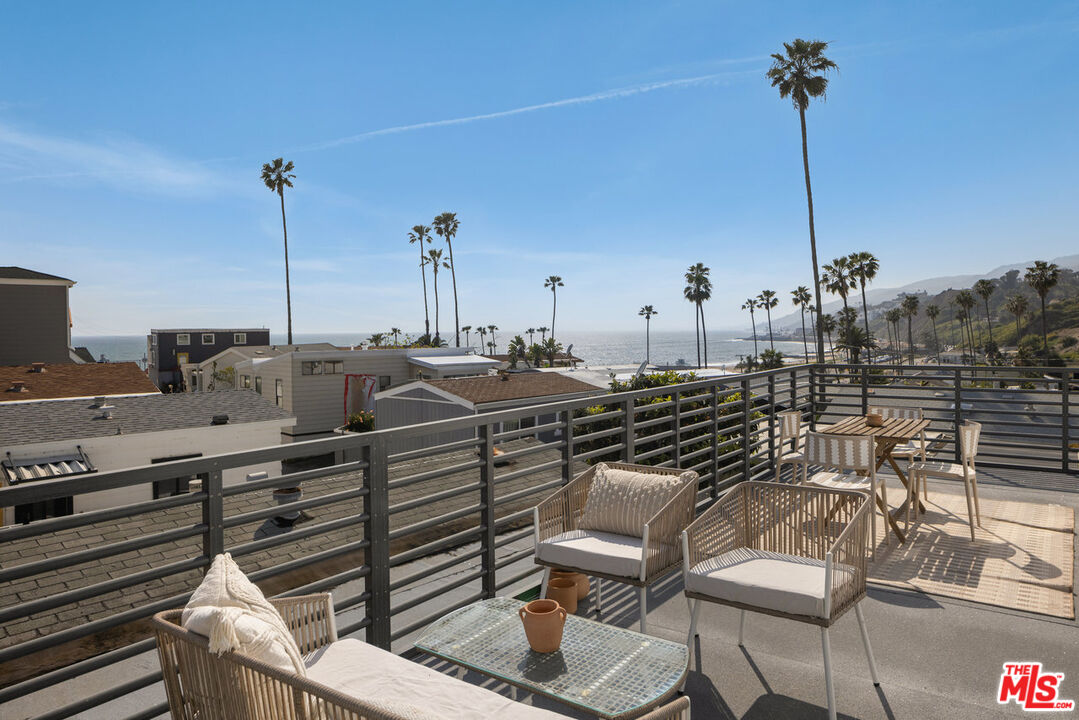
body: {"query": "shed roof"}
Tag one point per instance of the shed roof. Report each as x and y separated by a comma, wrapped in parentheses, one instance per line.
(438, 362)
(72, 380)
(516, 386)
(11, 272)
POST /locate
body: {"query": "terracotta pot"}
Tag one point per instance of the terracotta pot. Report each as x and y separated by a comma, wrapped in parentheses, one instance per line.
(543, 621)
(580, 578)
(874, 419)
(563, 590)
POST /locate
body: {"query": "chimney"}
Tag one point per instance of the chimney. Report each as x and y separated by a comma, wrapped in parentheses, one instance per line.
(38, 367)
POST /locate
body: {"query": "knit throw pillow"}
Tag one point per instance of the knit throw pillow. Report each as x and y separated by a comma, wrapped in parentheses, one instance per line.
(622, 501)
(233, 613)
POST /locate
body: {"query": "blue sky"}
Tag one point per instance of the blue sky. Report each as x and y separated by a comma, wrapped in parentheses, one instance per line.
(611, 143)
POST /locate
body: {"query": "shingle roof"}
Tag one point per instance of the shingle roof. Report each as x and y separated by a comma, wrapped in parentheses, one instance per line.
(10, 272)
(518, 386)
(50, 420)
(71, 380)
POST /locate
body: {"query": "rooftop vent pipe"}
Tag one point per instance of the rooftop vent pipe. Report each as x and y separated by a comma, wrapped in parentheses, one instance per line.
(17, 386)
(220, 420)
(37, 367)
(106, 411)
(99, 401)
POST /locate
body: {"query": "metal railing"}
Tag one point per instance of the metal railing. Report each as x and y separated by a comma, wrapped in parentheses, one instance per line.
(98, 575)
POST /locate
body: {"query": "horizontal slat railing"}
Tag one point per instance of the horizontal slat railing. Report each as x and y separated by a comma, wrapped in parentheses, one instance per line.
(373, 511)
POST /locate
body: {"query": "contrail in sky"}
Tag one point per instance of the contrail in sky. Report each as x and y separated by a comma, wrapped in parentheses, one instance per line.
(581, 100)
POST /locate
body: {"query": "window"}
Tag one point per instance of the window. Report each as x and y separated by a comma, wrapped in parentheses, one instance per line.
(193, 381)
(383, 382)
(181, 358)
(279, 392)
(207, 338)
(311, 367)
(258, 384)
(179, 485)
(239, 338)
(30, 512)
(245, 382)
(333, 367)
(183, 339)
(153, 339)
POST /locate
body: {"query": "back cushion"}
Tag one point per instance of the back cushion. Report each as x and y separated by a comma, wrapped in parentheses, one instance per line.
(622, 501)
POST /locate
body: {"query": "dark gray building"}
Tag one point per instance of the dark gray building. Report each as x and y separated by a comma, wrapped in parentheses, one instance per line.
(35, 323)
(169, 350)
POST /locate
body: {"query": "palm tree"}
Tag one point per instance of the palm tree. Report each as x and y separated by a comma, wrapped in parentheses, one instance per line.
(965, 300)
(838, 278)
(647, 312)
(517, 351)
(492, 328)
(419, 235)
(864, 266)
(467, 329)
(277, 176)
(483, 333)
(1017, 305)
(530, 331)
(551, 348)
(892, 317)
(768, 300)
(491, 347)
(699, 289)
(801, 299)
(434, 257)
(543, 333)
(933, 311)
(964, 339)
(799, 75)
(1042, 277)
(985, 289)
(910, 309)
(554, 282)
(751, 305)
(827, 324)
(377, 339)
(446, 226)
(395, 332)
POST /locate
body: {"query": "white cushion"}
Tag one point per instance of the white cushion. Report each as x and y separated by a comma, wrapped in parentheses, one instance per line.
(840, 481)
(622, 501)
(591, 550)
(392, 683)
(233, 614)
(768, 580)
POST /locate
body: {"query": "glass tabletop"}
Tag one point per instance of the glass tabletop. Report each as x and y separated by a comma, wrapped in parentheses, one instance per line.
(599, 668)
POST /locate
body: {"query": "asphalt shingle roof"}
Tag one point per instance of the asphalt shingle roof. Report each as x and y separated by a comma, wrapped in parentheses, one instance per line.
(518, 386)
(49, 420)
(72, 380)
(11, 272)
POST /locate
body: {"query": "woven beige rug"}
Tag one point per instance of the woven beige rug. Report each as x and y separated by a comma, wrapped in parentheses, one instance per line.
(1022, 556)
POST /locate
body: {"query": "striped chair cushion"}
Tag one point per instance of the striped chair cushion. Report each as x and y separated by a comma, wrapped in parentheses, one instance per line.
(622, 501)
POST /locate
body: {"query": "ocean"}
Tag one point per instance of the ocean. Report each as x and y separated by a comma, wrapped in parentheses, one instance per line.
(600, 348)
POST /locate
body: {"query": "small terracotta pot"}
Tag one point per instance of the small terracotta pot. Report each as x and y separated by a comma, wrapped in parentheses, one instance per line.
(580, 578)
(563, 590)
(874, 420)
(543, 621)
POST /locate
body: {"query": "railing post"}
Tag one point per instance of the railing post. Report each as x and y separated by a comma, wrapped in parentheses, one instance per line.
(1065, 420)
(567, 448)
(813, 398)
(772, 419)
(794, 389)
(865, 390)
(487, 501)
(676, 423)
(377, 533)
(715, 441)
(629, 435)
(213, 515)
(747, 410)
(957, 417)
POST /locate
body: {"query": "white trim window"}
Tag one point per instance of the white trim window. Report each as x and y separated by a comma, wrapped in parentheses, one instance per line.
(183, 338)
(239, 338)
(333, 367)
(245, 382)
(279, 392)
(207, 338)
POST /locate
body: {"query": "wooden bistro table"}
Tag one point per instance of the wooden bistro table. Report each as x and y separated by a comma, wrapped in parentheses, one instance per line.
(893, 432)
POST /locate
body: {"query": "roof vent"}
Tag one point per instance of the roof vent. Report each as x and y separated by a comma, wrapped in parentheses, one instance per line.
(220, 420)
(99, 401)
(106, 411)
(17, 386)
(38, 367)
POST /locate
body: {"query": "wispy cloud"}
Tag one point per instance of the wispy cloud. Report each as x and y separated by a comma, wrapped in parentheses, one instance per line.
(616, 94)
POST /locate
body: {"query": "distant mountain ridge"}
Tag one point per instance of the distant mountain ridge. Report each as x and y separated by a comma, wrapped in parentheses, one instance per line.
(931, 286)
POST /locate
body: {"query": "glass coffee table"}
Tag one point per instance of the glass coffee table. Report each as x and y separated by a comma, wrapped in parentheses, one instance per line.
(601, 669)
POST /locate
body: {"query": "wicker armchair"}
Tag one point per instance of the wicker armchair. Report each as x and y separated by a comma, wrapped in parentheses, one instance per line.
(790, 551)
(640, 561)
(231, 686)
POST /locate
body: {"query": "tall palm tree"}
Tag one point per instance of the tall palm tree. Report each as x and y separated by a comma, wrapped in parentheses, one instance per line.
(1017, 305)
(422, 234)
(483, 333)
(837, 278)
(768, 300)
(799, 75)
(910, 309)
(395, 332)
(964, 337)
(698, 290)
(965, 300)
(827, 324)
(543, 333)
(933, 311)
(985, 289)
(801, 298)
(492, 328)
(751, 305)
(277, 176)
(1041, 278)
(554, 282)
(434, 258)
(892, 317)
(377, 339)
(467, 330)
(446, 226)
(864, 266)
(517, 351)
(647, 312)
(531, 332)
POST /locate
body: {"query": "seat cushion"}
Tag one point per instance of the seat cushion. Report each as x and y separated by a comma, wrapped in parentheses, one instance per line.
(840, 481)
(767, 580)
(940, 469)
(405, 688)
(792, 456)
(622, 501)
(601, 552)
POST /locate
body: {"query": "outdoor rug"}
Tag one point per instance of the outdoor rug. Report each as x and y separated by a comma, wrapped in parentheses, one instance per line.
(1022, 557)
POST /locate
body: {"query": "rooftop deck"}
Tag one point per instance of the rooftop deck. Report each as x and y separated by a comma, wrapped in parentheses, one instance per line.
(403, 538)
